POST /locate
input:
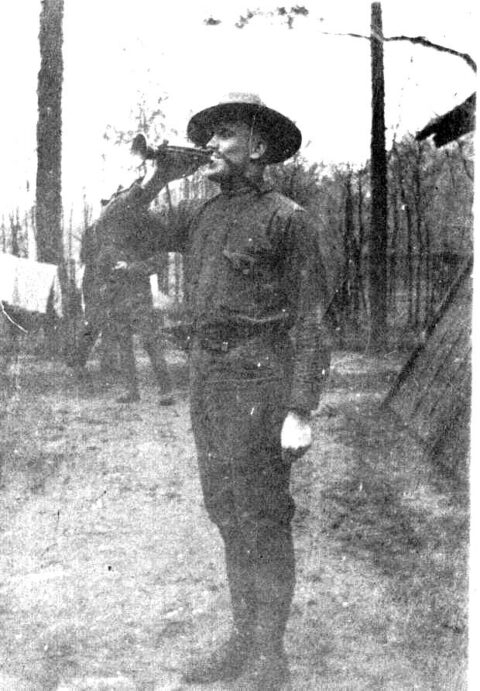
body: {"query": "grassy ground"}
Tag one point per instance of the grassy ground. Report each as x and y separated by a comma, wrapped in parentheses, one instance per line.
(111, 572)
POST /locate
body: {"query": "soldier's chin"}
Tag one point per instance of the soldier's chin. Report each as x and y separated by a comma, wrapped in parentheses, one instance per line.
(216, 171)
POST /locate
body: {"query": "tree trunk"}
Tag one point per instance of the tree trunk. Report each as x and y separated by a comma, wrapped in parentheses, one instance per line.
(49, 150)
(359, 244)
(428, 280)
(421, 257)
(392, 292)
(15, 229)
(350, 254)
(408, 270)
(378, 221)
(49, 134)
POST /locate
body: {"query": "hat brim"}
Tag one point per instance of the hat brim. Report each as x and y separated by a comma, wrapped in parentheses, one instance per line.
(283, 136)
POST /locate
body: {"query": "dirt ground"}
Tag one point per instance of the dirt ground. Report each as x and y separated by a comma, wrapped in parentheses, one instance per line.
(112, 573)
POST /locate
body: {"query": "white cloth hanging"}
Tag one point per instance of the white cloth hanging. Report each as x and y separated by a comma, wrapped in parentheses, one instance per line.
(161, 301)
(27, 284)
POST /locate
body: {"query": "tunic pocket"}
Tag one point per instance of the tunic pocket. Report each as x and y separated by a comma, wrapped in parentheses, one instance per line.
(253, 274)
(245, 262)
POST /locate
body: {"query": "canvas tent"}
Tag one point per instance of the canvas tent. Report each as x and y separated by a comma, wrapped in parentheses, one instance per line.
(431, 395)
(448, 127)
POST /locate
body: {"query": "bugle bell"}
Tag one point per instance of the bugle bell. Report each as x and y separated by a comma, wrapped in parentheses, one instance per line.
(140, 147)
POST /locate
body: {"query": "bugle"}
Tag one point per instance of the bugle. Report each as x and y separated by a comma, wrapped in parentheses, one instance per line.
(140, 147)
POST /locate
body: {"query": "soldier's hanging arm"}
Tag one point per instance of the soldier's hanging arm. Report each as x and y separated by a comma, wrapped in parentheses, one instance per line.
(308, 292)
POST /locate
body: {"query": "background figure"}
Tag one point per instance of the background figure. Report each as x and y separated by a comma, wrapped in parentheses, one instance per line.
(118, 299)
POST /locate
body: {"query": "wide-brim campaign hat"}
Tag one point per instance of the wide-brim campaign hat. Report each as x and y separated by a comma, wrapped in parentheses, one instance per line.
(283, 136)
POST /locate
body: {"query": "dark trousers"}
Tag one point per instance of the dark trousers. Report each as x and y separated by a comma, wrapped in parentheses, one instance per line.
(238, 404)
(123, 322)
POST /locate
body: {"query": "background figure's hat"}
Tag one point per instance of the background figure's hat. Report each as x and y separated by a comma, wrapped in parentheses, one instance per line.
(283, 136)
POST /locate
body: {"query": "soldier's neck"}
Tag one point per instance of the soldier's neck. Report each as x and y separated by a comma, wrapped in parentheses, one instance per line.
(238, 184)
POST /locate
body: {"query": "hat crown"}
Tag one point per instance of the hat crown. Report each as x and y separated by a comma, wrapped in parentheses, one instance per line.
(250, 99)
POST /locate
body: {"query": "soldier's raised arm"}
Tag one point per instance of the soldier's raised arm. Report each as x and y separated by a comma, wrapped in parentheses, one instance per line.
(129, 209)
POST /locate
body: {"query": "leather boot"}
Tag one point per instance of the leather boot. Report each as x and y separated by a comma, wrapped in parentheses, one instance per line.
(83, 379)
(267, 671)
(129, 369)
(267, 668)
(160, 369)
(227, 662)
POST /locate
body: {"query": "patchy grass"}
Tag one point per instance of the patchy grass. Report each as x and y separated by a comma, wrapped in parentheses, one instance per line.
(394, 511)
(110, 566)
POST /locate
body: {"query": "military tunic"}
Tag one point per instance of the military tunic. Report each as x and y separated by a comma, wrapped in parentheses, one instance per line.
(255, 296)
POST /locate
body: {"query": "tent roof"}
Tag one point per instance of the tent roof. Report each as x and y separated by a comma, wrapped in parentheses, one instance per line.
(448, 127)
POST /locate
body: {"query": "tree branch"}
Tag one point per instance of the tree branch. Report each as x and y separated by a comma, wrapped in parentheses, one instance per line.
(429, 44)
(300, 10)
(412, 39)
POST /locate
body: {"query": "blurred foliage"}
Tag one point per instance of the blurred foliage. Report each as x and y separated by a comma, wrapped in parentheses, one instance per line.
(430, 231)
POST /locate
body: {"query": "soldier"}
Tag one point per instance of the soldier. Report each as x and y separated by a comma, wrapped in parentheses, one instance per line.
(118, 301)
(259, 357)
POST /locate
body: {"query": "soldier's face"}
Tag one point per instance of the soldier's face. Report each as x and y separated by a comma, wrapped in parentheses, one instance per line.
(234, 146)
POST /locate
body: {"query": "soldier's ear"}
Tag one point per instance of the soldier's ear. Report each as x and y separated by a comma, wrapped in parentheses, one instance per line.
(258, 147)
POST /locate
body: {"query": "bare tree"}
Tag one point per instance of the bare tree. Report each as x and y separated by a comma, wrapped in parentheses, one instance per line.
(48, 214)
(49, 134)
(378, 221)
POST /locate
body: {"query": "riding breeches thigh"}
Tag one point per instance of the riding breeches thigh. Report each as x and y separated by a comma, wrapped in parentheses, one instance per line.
(238, 404)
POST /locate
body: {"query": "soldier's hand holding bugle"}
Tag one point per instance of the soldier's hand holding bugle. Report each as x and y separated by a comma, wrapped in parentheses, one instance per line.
(171, 162)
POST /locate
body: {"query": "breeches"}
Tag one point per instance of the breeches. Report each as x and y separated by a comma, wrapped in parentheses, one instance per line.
(238, 403)
(124, 318)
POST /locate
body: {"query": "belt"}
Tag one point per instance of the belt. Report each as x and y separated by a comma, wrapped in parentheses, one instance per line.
(219, 346)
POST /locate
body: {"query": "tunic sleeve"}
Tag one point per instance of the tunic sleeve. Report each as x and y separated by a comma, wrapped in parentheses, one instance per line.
(307, 289)
(168, 235)
(129, 213)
